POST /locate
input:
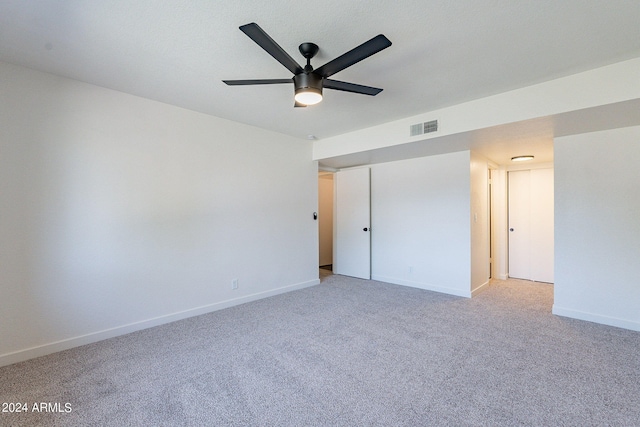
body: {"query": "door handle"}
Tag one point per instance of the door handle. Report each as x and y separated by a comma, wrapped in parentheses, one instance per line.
(365, 229)
(511, 229)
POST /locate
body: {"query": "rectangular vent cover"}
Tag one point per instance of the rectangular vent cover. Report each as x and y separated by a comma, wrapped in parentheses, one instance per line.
(422, 128)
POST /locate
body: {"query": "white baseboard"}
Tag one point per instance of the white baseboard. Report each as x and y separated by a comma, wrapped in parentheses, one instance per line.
(54, 347)
(479, 289)
(596, 318)
(425, 286)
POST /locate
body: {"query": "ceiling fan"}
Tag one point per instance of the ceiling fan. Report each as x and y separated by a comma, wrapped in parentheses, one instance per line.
(308, 83)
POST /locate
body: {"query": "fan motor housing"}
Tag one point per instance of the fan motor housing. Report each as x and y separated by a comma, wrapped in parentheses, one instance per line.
(307, 82)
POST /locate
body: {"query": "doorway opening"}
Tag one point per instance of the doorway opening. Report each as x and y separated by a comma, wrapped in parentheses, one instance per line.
(325, 222)
(498, 223)
(531, 191)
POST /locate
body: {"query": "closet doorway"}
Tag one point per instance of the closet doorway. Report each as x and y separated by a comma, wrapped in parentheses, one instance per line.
(531, 243)
(325, 220)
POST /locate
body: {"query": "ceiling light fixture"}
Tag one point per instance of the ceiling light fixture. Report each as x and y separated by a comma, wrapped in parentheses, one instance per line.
(522, 158)
(308, 96)
(308, 88)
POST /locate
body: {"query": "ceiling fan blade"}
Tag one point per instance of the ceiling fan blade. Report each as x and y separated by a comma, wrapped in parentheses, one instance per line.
(298, 104)
(257, 82)
(351, 87)
(354, 56)
(258, 35)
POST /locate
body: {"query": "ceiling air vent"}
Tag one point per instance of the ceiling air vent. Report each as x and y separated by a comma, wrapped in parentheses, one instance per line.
(422, 128)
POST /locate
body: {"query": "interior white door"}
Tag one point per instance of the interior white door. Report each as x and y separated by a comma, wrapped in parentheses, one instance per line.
(531, 225)
(352, 250)
(520, 224)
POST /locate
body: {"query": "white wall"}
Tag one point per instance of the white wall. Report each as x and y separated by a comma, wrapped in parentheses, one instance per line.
(420, 227)
(325, 218)
(479, 222)
(119, 213)
(597, 227)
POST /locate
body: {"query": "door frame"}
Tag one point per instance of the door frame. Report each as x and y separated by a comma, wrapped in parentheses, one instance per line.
(499, 216)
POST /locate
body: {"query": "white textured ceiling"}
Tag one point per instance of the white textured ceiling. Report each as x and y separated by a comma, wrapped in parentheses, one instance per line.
(443, 52)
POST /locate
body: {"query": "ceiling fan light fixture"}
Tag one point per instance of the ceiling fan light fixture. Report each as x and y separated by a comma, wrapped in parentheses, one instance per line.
(308, 88)
(522, 158)
(308, 96)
